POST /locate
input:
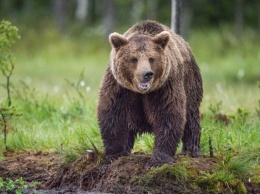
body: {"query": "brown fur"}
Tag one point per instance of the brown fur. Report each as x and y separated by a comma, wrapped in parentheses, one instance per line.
(152, 84)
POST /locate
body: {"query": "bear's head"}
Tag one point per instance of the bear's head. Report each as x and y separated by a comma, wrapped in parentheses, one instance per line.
(139, 62)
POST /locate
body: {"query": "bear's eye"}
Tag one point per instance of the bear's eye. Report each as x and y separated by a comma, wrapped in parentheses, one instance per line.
(134, 60)
(151, 60)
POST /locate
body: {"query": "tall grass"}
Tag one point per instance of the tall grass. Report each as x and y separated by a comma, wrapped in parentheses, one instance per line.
(57, 100)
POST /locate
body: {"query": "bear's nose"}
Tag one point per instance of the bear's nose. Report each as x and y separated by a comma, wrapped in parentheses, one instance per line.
(147, 75)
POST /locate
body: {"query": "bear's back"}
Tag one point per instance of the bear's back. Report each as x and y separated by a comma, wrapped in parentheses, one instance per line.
(150, 28)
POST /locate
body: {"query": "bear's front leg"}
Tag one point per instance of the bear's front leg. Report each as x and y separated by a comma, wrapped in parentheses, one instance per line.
(167, 114)
(114, 130)
(168, 133)
(112, 110)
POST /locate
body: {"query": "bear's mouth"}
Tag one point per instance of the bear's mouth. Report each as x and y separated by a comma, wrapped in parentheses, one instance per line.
(143, 85)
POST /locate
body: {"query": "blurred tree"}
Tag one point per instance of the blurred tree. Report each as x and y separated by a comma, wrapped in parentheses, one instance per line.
(109, 17)
(82, 9)
(153, 9)
(176, 16)
(186, 17)
(137, 10)
(92, 15)
(60, 10)
(6, 7)
(258, 15)
(239, 18)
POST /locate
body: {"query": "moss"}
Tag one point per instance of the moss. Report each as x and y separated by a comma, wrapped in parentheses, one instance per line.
(255, 179)
(220, 181)
(238, 186)
(194, 186)
(164, 175)
(209, 183)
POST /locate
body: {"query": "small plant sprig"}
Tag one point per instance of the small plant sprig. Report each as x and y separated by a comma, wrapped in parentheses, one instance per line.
(215, 109)
(76, 85)
(8, 36)
(17, 186)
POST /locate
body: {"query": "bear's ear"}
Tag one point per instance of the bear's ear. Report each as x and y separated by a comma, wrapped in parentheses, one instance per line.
(162, 39)
(117, 40)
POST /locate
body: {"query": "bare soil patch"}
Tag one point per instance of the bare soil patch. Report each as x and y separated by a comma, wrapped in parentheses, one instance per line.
(30, 166)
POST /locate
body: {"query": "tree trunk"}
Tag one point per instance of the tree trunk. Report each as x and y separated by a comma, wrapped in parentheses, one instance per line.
(60, 11)
(7, 8)
(82, 9)
(152, 9)
(94, 13)
(239, 18)
(137, 10)
(186, 18)
(109, 17)
(176, 16)
(258, 15)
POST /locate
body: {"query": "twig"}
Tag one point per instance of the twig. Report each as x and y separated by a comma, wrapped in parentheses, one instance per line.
(8, 82)
(211, 151)
(5, 127)
(46, 171)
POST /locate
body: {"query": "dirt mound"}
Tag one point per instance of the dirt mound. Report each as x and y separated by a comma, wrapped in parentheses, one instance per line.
(129, 175)
(87, 175)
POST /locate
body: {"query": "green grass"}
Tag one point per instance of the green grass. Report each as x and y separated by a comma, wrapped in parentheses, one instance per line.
(57, 78)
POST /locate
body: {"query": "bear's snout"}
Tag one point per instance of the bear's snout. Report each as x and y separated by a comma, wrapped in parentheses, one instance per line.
(147, 75)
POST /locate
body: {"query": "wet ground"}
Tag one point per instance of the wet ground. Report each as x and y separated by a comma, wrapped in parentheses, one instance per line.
(125, 175)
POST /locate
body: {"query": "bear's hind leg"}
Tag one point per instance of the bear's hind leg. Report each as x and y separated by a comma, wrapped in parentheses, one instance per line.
(191, 136)
(194, 93)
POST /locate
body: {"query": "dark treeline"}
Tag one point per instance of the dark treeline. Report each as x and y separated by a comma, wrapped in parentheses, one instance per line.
(114, 13)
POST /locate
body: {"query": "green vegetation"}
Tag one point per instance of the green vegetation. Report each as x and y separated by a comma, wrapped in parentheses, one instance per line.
(220, 181)
(229, 175)
(17, 186)
(163, 174)
(55, 84)
(164, 177)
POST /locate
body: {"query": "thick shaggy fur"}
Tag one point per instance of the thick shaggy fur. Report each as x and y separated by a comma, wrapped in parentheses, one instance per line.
(165, 103)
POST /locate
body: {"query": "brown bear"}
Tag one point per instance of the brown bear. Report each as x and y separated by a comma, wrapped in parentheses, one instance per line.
(152, 84)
